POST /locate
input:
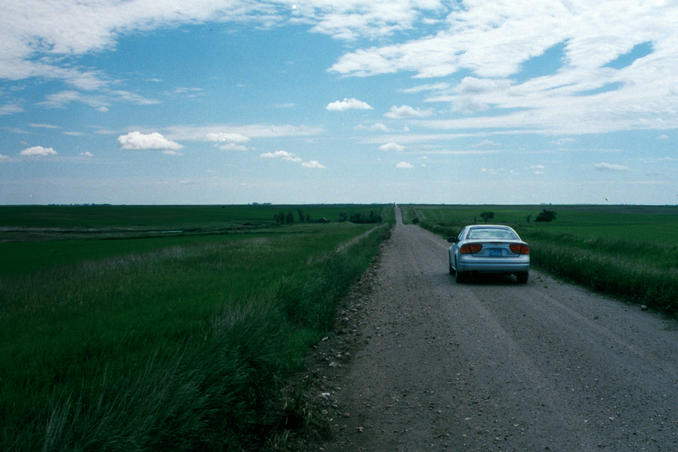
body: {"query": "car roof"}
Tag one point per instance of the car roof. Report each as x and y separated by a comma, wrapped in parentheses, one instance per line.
(488, 226)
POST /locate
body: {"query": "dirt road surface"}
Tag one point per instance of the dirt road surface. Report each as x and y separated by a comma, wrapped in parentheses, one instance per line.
(492, 364)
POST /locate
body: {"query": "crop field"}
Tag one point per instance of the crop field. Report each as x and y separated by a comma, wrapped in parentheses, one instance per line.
(157, 342)
(628, 251)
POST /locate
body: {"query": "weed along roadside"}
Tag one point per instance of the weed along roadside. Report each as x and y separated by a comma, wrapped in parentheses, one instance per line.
(180, 347)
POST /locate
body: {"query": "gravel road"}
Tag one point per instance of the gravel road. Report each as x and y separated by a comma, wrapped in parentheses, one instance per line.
(493, 365)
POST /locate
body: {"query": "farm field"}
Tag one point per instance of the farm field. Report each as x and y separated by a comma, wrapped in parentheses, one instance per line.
(628, 251)
(162, 217)
(182, 341)
(38, 237)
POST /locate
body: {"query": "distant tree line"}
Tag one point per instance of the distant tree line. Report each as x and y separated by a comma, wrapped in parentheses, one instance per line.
(360, 217)
(289, 218)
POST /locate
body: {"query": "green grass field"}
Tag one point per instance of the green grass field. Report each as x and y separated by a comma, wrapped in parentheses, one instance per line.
(628, 251)
(635, 223)
(163, 217)
(172, 342)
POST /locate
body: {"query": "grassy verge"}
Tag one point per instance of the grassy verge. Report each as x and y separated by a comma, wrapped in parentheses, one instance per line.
(643, 273)
(629, 252)
(183, 347)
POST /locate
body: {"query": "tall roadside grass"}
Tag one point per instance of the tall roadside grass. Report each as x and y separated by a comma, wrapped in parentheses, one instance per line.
(181, 348)
(643, 273)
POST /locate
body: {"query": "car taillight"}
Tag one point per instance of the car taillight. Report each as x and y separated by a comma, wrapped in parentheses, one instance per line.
(520, 249)
(471, 248)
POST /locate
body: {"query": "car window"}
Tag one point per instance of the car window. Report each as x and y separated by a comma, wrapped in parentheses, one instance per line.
(491, 233)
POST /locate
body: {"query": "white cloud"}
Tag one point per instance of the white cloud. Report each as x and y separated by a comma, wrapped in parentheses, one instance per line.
(405, 111)
(290, 157)
(348, 104)
(284, 155)
(313, 164)
(232, 147)
(100, 101)
(43, 126)
(426, 87)
(457, 152)
(376, 127)
(38, 151)
(663, 137)
(10, 109)
(486, 143)
(36, 34)
(391, 147)
(150, 141)
(230, 141)
(363, 18)
(188, 92)
(404, 165)
(131, 97)
(604, 166)
(4, 158)
(170, 152)
(222, 137)
(72, 133)
(492, 40)
(238, 134)
(87, 154)
(63, 98)
(474, 85)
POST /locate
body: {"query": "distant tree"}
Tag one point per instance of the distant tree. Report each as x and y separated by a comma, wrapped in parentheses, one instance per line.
(290, 218)
(308, 218)
(279, 218)
(343, 216)
(529, 218)
(486, 216)
(546, 216)
(301, 215)
(356, 218)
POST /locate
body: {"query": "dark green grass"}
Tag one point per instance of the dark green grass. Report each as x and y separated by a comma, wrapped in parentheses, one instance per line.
(163, 217)
(628, 251)
(635, 223)
(25, 257)
(182, 347)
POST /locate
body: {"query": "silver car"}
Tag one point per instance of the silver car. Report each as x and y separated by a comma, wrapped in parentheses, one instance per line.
(486, 248)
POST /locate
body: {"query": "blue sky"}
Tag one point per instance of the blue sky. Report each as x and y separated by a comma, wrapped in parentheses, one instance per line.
(425, 101)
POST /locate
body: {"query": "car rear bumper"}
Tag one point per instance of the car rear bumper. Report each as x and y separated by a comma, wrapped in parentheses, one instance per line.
(493, 265)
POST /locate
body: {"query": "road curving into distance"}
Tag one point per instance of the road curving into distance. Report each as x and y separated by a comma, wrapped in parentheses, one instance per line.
(494, 365)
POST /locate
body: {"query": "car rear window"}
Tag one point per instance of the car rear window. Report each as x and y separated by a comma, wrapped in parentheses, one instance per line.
(491, 233)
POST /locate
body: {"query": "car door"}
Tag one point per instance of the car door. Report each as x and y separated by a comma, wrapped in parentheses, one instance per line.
(460, 237)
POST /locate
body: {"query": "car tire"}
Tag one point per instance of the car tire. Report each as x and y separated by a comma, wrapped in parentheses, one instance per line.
(460, 277)
(522, 277)
(452, 272)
